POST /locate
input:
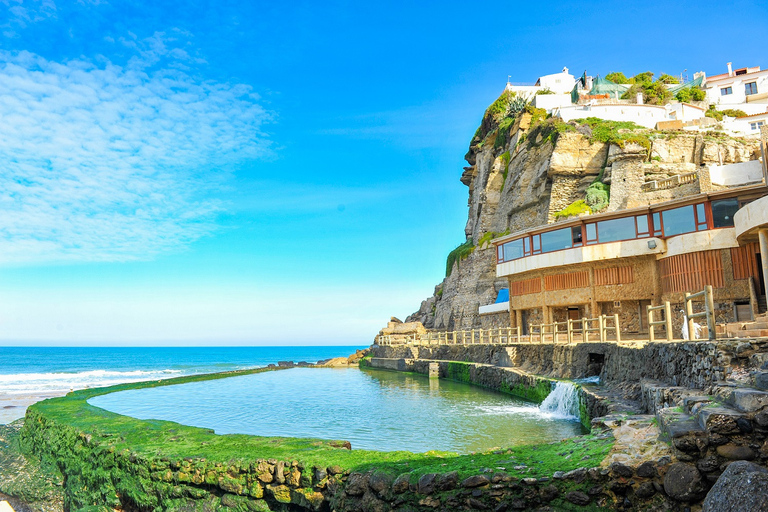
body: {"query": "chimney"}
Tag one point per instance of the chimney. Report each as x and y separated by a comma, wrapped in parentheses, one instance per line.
(730, 69)
(639, 98)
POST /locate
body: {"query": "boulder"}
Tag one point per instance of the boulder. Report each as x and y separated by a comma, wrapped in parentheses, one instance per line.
(683, 482)
(743, 487)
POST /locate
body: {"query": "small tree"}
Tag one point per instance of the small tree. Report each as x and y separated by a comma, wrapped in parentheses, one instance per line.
(617, 77)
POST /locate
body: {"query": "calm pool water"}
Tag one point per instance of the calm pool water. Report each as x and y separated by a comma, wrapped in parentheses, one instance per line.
(372, 409)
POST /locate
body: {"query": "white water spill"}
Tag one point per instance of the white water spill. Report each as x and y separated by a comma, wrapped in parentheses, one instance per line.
(35, 383)
(562, 402)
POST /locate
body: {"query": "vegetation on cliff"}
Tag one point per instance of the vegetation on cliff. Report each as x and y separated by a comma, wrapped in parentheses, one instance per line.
(461, 252)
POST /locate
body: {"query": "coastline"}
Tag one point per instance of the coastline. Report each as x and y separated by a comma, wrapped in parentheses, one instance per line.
(14, 407)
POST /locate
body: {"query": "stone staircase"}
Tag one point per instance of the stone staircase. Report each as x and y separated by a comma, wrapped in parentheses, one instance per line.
(711, 430)
(756, 329)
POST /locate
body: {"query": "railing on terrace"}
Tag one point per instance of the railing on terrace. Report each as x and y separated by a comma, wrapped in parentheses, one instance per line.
(708, 313)
(672, 182)
(555, 332)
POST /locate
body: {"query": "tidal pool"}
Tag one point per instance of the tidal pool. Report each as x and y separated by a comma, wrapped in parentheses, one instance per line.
(373, 409)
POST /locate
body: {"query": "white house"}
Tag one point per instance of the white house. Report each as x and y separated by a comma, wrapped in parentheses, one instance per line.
(685, 111)
(742, 87)
(749, 125)
(559, 83)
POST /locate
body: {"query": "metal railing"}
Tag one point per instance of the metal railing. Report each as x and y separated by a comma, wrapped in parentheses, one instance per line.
(709, 312)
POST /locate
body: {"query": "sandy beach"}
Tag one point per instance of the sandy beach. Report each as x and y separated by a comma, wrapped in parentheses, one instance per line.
(13, 407)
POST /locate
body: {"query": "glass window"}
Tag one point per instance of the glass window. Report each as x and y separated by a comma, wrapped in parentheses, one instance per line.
(512, 250)
(556, 240)
(701, 217)
(576, 235)
(725, 91)
(526, 246)
(722, 212)
(750, 88)
(616, 229)
(657, 224)
(591, 233)
(678, 221)
(536, 244)
(642, 226)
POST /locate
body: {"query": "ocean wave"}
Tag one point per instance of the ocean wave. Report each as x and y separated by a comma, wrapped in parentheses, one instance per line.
(38, 383)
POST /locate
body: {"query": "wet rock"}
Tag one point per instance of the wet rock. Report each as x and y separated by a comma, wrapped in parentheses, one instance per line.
(401, 483)
(578, 498)
(577, 475)
(447, 481)
(548, 493)
(645, 490)
(427, 483)
(620, 470)
(356, 484)
(475, 481)
(647, 470)
(429, 501)
(319, 474)
(559, 475)
(683, 482)
(380, 482)
(595, 490)
(743, 487)
(477, 504)
(735, 452)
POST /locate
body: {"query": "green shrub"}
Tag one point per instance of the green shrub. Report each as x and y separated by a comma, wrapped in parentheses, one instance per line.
(502, 132)
(598, 196)
(690, 94)
(490, 235)
(668, 79)
(617, 77)
(574, 209)
(616, 132)
(459, 253)
(546, 90)
(505, 158)
(501, 105)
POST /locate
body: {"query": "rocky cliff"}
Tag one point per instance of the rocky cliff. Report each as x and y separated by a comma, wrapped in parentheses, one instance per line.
(526, 170)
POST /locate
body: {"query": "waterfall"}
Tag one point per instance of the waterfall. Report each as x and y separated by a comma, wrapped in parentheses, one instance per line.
(562, 402)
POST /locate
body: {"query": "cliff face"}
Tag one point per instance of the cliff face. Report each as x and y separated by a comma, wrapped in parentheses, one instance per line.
(524, 168)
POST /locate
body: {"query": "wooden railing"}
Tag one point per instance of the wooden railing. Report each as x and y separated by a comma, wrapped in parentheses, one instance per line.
(708, 313)
(667, 322)
(571, 331)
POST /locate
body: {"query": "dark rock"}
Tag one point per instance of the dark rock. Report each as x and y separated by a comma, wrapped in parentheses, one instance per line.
(548, 493)
(595, 490)
(477, 504)
(286, 364)
(501, 507)
(356, 484)
(743, 487)
(647, 470)
(335, 470)
(319, 474)
(519, 504)
(620, 470)
(683, 482)
(735, 452)
(447, 481)
(427, 483)
(380, 482)
(578, 498)
(499, 477)
(744, 425)
(577, 475)
(645, 490)
(558, 475)
(475, 481)
(708, 464)
(401, 483)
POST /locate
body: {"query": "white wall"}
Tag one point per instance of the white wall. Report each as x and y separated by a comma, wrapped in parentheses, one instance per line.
(559, 82)
(744, 125)
(736, 174)
(550, 101)
(644, 115)
(685, 112)
(737, 84)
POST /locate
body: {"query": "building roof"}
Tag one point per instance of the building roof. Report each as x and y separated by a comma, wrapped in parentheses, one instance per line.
(724, 76)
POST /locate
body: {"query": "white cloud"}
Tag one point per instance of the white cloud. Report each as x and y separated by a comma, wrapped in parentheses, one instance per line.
(22, 13)
(102, 162)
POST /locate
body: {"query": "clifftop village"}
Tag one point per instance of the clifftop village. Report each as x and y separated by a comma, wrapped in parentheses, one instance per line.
(648, 191)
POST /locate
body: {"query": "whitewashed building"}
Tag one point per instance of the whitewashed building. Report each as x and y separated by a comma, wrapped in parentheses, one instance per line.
(744, 88)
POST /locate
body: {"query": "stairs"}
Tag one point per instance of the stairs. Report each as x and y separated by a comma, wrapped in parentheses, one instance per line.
(756, 329)
(708, 429)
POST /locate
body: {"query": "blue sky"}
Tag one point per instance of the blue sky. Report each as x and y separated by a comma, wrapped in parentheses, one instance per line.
(254, 173)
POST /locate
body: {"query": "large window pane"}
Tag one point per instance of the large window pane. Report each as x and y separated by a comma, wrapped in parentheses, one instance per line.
(513, 250)
(678, 221)
(556, 240)
(722, 212)
(616, 229)
(642, 224)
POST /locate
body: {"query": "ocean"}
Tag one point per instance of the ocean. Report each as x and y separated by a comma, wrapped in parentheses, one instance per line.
(29, 374)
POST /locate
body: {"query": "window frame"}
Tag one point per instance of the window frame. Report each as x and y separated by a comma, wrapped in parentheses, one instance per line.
(750, 86)
(725, 91)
